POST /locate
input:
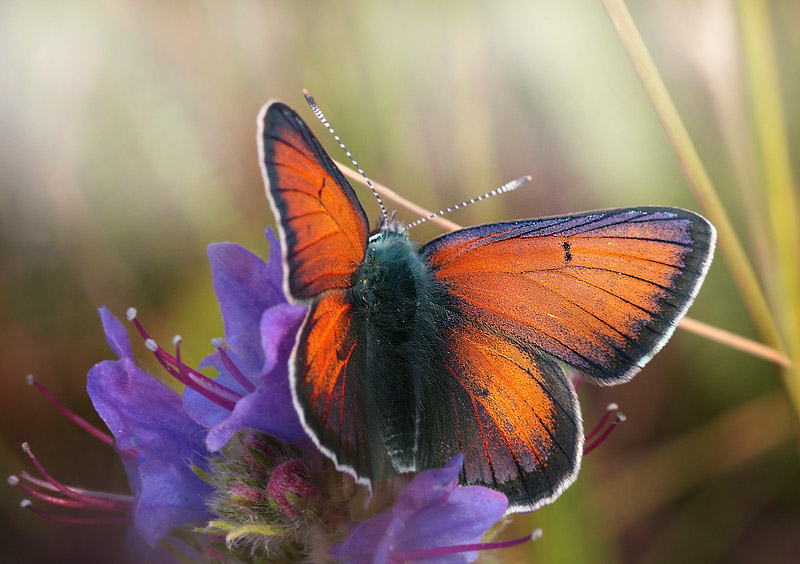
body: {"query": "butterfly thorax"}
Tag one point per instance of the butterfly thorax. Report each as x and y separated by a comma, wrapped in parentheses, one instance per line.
(386, 288)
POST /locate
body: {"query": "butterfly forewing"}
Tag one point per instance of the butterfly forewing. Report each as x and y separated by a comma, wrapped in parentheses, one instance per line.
(601, 291)
(323, 225)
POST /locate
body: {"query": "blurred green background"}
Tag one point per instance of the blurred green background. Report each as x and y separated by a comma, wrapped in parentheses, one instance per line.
(128, 144)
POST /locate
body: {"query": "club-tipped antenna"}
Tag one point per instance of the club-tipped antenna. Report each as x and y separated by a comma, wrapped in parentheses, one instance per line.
(507, 187)
(312, 103)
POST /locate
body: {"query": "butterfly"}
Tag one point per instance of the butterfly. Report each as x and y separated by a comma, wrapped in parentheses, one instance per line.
(409, 354)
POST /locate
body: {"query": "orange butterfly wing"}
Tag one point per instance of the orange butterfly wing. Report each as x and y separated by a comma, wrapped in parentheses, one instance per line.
(601, 291)
(328, 385)
(508, 408)
(323, 226)
(324, 235)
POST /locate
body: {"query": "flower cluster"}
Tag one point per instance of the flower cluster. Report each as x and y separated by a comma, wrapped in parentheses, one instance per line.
(224, 470)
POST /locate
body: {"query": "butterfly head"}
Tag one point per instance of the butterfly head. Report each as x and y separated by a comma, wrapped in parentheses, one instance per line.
(387, 224)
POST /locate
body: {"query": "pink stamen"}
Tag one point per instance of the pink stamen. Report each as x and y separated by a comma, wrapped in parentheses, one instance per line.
(610, 409)
(177, 342)
(191, 377)
(54, 500)
(88, 500)
(424, 553)
(131, 315)
(184, 375)
(200, 383)
(69, 414)
(593, 444)
(234, 371)
(79, 421)
(123, 498)
(75, 520)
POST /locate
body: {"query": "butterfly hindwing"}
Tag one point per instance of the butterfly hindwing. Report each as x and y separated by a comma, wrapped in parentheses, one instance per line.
(328, 374)
(601, 291)
(510, 410)
(323, 226)
(384, 393)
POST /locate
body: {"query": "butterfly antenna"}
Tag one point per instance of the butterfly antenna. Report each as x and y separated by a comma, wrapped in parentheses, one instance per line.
(321, 117)
(507, 187)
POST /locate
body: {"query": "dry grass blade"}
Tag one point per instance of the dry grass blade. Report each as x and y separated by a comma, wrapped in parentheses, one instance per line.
(735, 341)
(693, 169)
(393, 196)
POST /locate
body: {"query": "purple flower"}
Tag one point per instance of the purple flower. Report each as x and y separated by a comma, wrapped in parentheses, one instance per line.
(159, 443)
(432, 513)
(260, 331)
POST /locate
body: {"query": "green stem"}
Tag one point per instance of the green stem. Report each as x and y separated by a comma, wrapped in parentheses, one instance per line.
(767, 104)
(695, 173)
(703, 189)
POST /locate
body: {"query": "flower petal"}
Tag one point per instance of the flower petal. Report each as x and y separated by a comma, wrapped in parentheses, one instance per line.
(116, 334)
(270, 408)
(245, 286)
(279, 326)
(365, 543)
(145, 416)
(429, 488)
(464, 518)
(203, 410)
(431, 512)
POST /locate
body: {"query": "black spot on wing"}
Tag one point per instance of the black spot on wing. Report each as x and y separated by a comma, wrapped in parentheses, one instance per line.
(567, 251)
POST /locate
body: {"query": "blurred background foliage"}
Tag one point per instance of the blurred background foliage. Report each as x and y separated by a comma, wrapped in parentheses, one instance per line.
(128, 144)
